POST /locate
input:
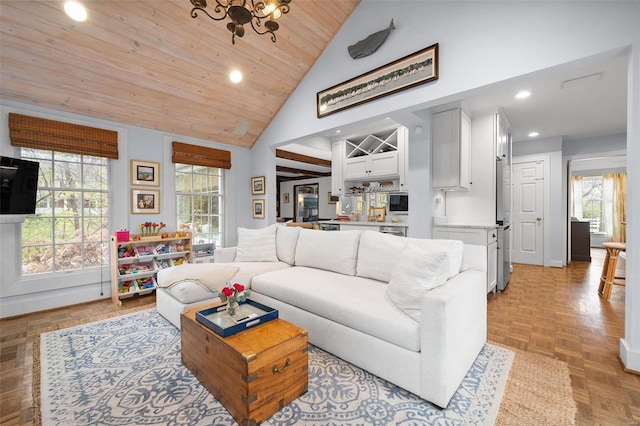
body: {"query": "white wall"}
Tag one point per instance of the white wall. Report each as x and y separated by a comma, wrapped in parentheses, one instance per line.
(45, 291)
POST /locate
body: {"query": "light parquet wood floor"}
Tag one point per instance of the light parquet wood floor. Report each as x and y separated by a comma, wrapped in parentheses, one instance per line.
(551, 311)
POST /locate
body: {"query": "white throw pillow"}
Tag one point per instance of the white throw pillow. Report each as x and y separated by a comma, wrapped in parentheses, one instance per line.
(418, 272)
(453, 248)
(332, 251)
(286, 241)
(209, 275)
(257, 245)
(378, 254)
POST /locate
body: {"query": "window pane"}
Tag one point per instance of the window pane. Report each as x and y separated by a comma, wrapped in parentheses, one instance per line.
(93, 229)
(45, 174)
(68, 257)
(214, 184)
(37, 260)
(67, 156)
(67, 230)
(44, 202)
(183, 182)
(95, 204)
(200, 183)
(37, 230)
(184, 204)
(216, 207)
(67, 175)
(95, 254)
(67, 203)
(94, 177)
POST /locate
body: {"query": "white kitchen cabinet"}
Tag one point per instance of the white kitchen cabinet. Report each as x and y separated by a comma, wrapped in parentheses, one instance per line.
(451, 145)
(337, 179)
(478, 235)
(379, 165)
(383, 155)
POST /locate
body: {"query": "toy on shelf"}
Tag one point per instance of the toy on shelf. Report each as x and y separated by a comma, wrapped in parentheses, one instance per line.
(178, 261)
(126, 252)
(163, 263)
(145, 251)
(145, 283)
(126, 287)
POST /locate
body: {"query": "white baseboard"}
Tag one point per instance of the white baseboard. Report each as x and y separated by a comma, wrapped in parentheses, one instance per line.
(35, 302)
(556, 264)
(630, 359)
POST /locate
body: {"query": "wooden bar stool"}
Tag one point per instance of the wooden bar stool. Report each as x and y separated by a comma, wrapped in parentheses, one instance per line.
(608, 277)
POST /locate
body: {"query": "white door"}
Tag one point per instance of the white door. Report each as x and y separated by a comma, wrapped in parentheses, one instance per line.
(528, 208)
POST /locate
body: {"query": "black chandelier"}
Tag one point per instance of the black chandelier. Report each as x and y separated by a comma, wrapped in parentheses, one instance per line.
(261, 14)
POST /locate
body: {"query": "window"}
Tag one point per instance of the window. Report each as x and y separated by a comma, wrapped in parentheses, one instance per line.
(200, 202)
(70, 229)
(592, 202)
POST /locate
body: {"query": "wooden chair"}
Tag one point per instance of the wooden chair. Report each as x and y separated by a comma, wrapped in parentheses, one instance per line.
(608, 277)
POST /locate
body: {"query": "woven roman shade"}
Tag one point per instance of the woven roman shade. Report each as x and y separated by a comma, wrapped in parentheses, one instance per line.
(52, 135)
(185, 153)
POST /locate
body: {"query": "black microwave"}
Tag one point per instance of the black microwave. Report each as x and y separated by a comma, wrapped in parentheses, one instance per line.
(399, 203)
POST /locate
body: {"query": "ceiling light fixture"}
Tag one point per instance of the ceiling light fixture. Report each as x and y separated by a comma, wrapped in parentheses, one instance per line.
(75, 11)
(261, 14)
(533, 134)
(235, 76)
(523, 94)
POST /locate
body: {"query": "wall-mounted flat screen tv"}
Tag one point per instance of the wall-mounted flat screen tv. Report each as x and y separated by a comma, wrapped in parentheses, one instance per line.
(18, 185)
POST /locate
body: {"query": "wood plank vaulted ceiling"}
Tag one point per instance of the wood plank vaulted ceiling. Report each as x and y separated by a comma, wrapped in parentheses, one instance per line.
(149, 64)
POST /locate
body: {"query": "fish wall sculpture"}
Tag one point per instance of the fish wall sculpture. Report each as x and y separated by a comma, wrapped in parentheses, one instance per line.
(370, 44)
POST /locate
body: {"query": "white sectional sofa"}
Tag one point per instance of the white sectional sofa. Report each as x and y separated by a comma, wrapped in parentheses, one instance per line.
(411, 311)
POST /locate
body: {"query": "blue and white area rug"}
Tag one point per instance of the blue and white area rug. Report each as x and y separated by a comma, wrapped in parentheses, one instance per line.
(127, 371)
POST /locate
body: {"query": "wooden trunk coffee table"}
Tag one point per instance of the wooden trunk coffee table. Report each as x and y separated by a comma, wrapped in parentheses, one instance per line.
(254, 373)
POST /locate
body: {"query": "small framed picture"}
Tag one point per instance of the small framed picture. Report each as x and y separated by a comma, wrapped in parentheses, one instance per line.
(257, 185)
(332, 199)
(145, 201)
(285, 198)
(258, 209)
(145, 173)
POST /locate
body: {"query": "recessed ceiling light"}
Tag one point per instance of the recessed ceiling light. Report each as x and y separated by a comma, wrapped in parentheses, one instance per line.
(75, 11)
(533, 134)
(338, 131)
(523, 94)
(235, 76)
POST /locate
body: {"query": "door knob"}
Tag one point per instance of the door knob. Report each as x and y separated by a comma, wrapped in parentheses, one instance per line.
(538, 218)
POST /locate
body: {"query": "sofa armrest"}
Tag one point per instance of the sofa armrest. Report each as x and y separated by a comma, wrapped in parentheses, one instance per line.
(453, 330)
(224, 254)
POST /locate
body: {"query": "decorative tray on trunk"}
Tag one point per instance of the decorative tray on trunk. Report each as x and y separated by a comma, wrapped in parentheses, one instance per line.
(249, 314)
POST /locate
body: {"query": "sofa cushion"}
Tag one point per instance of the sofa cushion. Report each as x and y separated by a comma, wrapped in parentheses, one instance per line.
(355, 302)
(257, 245)
(286, 241)
(210, 276)
(190, 291)
(453, 248)
(378, 254)
(417, 272)
(333, 251)
(248, 270)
